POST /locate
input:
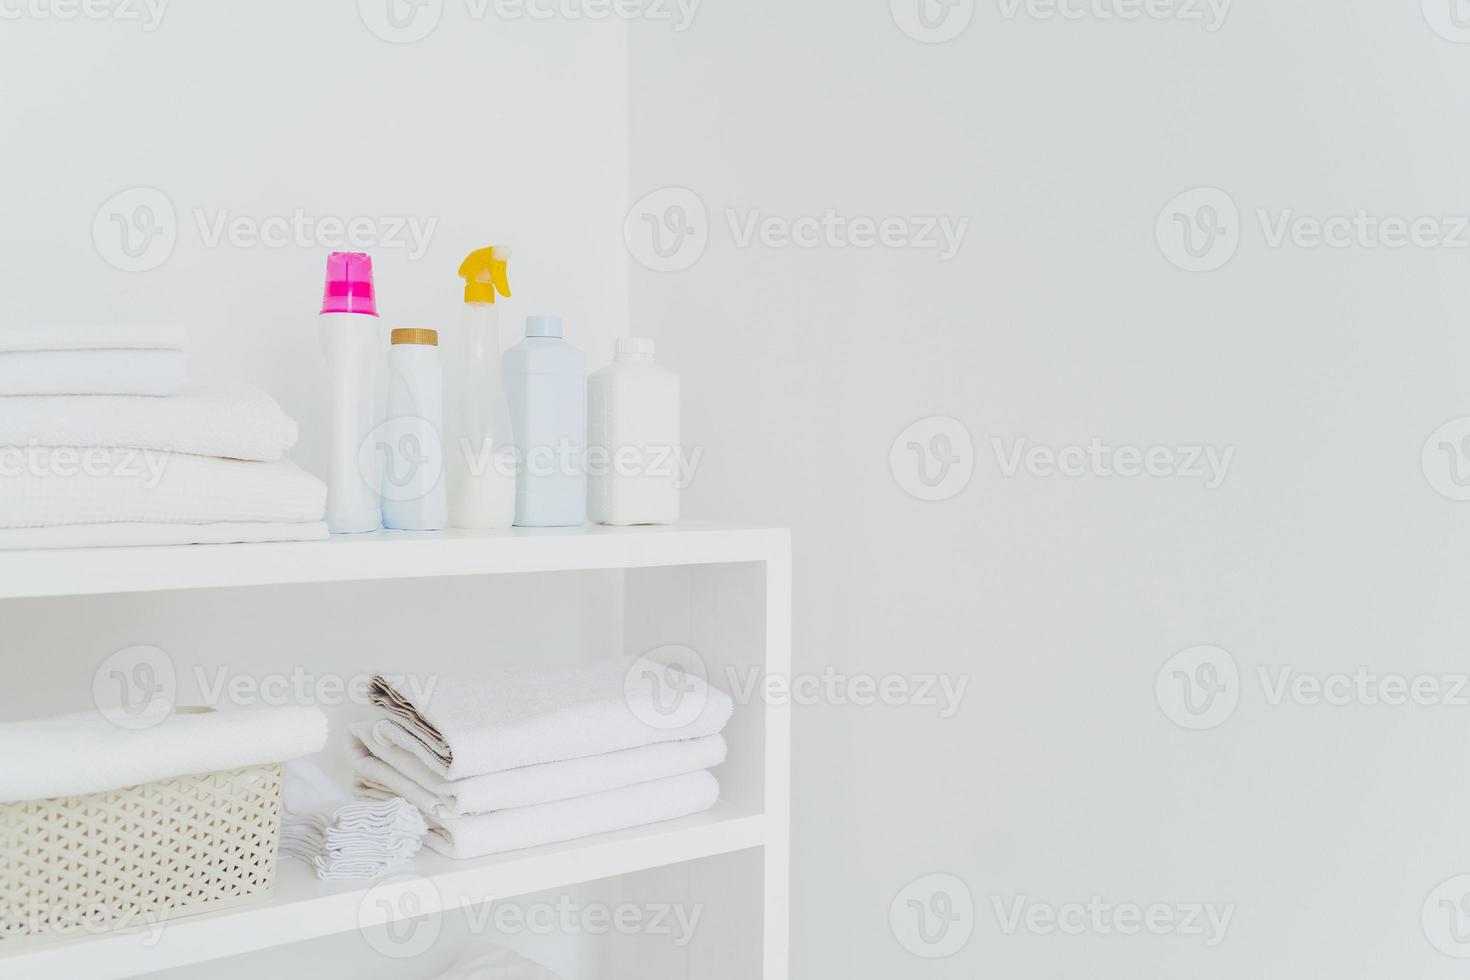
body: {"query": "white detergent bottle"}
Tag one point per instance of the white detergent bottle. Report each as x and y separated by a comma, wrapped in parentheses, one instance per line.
(481, 454)
(415, 494)
(633, 453)
(351, 342)
(546, 382)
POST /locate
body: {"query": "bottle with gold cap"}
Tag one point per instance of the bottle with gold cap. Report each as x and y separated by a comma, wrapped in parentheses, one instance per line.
(480, 449)
(414, 489)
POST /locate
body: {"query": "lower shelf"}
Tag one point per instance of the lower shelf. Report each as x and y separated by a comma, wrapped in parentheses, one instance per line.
(305, 908)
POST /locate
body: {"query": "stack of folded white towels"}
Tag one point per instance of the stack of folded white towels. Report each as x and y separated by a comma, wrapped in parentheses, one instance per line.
(522, 759)
(341, 837)
(103, 441)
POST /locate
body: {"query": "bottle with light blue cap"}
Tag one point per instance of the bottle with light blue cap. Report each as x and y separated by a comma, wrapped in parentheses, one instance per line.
(546, 382)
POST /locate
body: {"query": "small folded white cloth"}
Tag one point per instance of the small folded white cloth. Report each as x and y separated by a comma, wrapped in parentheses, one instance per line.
(92, 372)
(341, 837)
(550, 823)
(220, 418)
(94, 485)
(472, 726)
(142, 336)
(390, 768)
(87, 753)
(148, 535)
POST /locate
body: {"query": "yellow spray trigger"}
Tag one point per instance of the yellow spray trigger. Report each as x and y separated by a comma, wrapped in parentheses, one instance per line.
(484, 274)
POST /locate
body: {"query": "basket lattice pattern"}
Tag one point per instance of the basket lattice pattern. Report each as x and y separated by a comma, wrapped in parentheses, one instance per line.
(137, 857)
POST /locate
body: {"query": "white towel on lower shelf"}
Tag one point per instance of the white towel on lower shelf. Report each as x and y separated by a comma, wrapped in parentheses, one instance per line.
(340, 837)
(92, 372)
(550, 823)
(392, 768)
(469, 726)
(140, 336)
(150, 535)
(88, 753)
(220, 418)
(106, 486)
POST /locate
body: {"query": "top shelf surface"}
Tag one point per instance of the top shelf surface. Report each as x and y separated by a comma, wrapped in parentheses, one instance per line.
(381, 555)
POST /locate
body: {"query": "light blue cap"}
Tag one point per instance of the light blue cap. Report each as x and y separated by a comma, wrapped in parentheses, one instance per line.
(543, 326)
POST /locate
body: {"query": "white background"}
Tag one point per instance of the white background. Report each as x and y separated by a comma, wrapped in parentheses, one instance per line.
(1061, 319)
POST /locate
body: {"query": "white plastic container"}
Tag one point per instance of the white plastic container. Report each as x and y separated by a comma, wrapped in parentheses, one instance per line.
(633, 439)
(479, 446)
(352, 342)
(415, 490)
(546, 384)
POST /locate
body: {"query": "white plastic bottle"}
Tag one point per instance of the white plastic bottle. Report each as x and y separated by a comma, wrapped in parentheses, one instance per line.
(351, 341)
(415, 490)
(481, 453)
(633, 439)
(546, 383)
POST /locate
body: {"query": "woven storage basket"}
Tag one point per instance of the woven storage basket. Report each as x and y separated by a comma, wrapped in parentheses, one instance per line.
(137, 857)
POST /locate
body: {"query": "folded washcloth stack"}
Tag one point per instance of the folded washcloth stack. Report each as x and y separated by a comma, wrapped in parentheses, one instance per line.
(525, 759)
(103, 442)
(341, 837)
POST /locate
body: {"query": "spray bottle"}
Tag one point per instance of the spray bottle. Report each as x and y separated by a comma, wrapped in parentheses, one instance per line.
(352, 344)
(482, 459)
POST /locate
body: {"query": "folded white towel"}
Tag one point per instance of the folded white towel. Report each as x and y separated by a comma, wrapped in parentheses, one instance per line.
(92, 372)
(389, 766)
(92, 337)
(469, 726)
(549, 823)
(341, 837)
(103, 486)
(221, 418)
(149, 535)
(87, 753)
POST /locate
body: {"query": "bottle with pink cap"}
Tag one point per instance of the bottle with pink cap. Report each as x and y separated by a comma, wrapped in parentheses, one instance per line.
(352, 342)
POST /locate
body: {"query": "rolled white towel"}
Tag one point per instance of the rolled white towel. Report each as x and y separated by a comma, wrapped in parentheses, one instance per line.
(469, 726)
(550, 823)
(218, 418)
(60, 486)
(92, 372)
(394, 768)
(91, 336)
(87, 753)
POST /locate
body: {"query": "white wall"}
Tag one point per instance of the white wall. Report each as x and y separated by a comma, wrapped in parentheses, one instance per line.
(1061, 319)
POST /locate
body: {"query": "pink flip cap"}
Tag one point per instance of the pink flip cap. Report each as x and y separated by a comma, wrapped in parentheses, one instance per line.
(350, 284)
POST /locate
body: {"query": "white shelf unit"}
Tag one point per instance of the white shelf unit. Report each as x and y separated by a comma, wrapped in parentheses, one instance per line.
(723, 590)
